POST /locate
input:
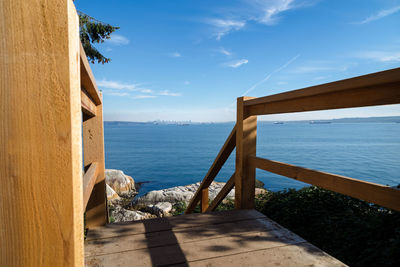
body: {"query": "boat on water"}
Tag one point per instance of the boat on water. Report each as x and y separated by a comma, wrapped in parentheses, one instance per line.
(278, 122)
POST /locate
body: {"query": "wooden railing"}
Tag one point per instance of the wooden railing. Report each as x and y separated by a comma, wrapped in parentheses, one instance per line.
(94, 193)
(381, 88)
(51, 128)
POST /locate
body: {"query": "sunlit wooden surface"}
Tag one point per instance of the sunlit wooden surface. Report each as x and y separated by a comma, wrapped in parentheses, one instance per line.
(229, 238)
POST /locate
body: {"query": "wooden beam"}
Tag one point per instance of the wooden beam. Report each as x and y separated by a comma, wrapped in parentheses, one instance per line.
(246, 141)
(89, 180)
(204, 200)
(87, 79)
(371, 192)
(222, 194)
(41, 214)
(381, 88)
(88, 107)
(93, 147)
(219, 161)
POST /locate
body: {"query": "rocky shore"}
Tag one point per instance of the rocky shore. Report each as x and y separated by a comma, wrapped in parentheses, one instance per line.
(124, 206)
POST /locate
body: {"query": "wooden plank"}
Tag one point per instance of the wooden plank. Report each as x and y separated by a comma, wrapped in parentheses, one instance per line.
(88, 107)
(222, 194)
(302, 254)
(246, 141)
(204, 199)
(371, 192)
(219, 161)
(93, 147)
(358, 97)
(198, 250)
(381, 88)
(89, 180)
(179, 236)
(41, 221)
(167, 223)
(87, 79)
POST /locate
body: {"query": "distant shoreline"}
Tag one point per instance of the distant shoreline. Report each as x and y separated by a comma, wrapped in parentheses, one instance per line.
(389, 119)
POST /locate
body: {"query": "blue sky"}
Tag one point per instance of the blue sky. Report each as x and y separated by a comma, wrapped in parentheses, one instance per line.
(190, 60)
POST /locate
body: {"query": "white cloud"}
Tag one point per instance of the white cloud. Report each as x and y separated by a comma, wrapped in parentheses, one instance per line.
(117, 85)
(260, 11)
(271, 9)
(380, 56)
(143, 96)
(122, 86)
(168, 93)
(224, 51)
(236, 63)
(175, 54)
(126, 89)
(117, 39)
(380, 14)
(107, 92)
(224, 26)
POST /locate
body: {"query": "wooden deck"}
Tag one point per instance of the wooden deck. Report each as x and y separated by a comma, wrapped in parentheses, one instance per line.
(229, 238)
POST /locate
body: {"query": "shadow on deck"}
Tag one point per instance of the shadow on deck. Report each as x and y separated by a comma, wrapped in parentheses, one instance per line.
(228, 238)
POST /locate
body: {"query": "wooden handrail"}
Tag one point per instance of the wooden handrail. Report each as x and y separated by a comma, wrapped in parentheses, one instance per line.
(219, 161)
(89, 179)
(87, 79)
(222, 194)
(88, 107)
(381, 88)
(371, 192)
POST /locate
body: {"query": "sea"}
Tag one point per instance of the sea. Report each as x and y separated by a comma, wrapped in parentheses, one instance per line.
(160, 156)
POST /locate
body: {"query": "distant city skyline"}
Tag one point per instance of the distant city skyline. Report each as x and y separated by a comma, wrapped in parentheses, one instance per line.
(190, 60)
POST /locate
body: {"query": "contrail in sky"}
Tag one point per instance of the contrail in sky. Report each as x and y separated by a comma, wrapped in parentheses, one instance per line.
(270, 74)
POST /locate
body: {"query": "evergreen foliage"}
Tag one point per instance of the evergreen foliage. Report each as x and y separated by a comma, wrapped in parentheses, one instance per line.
(94, 31)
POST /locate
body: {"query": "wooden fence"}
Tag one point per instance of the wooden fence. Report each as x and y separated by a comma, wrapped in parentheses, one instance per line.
(381, 88)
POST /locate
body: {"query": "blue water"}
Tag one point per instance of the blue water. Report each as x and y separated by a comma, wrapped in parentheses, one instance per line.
(171, 155)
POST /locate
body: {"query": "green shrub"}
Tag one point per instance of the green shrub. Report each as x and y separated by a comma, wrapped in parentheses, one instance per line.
(354, 231)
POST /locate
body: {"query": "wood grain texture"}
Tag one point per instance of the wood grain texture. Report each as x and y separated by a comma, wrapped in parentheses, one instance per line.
(93, 147)
(222, 194)
(41, 222)
(89, 180)
(219, 161)
(167, 223)
(377, 88)
(219, 235)
(384, 94)
(87, 79)
(204, 199)
(371, 192)
(88, 107)
(246, 142)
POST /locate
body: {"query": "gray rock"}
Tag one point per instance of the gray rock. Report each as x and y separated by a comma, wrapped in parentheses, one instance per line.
(123, 215)
(111, 194)
(183, 194)
(122, 184)
(178, 194)
(161, 209)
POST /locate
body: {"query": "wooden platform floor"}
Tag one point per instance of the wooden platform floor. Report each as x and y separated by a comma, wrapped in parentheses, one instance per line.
(229, 238)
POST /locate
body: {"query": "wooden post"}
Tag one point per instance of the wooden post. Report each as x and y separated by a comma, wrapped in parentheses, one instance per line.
(204, 200)
(93, 147)
(246, 141)
(41, 214)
